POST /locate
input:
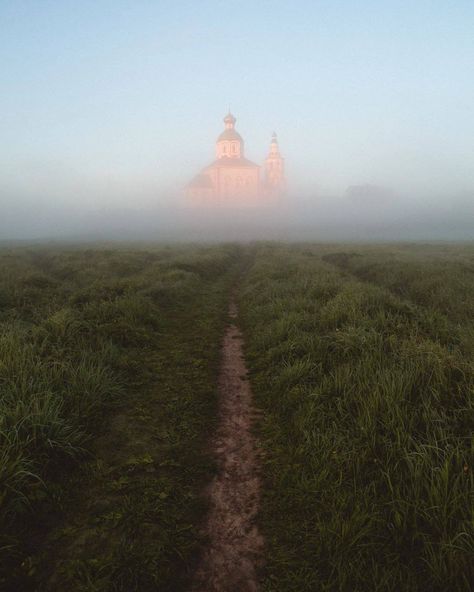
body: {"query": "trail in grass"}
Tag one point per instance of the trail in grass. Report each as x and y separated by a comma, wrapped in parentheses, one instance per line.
(126, 524)
(235, 545)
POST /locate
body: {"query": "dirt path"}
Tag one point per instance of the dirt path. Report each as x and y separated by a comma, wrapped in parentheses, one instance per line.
(235, 546)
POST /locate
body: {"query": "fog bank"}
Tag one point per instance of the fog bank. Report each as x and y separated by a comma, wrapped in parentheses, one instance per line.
(359, 215)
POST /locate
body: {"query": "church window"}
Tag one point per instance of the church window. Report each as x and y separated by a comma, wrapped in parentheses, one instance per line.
(234, 147)
(224, 148)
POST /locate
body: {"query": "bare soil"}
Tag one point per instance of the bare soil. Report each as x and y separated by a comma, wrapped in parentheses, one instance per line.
(235, 547)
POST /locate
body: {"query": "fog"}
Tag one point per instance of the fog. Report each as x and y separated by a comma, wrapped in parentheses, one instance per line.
(366, 215)
(108, 110)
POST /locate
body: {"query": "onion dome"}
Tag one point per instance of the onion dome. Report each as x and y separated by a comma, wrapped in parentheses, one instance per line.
(229, 119)
(230, 134)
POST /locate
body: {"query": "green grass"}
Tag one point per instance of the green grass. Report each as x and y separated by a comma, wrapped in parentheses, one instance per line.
(361, 359)
(368, 400)
(108, 362)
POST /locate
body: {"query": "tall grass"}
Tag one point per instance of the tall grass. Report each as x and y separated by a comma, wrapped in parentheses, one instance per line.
(368, 399)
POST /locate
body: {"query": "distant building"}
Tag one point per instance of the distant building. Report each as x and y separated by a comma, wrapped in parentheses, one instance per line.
(234, 179)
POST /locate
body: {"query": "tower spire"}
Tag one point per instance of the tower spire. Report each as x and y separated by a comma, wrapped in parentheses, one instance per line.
(274, 168)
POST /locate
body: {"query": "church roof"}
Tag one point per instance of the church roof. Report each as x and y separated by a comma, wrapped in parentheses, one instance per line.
(232, 162)
(201, 181)
(230, 134)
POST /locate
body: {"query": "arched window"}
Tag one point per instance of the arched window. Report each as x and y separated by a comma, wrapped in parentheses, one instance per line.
(224, 148)
(234, 147)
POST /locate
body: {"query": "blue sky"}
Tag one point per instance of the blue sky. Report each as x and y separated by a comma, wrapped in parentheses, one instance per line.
(115, 103)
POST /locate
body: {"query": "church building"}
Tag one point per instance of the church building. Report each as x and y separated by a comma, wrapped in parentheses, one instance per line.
(234, 179)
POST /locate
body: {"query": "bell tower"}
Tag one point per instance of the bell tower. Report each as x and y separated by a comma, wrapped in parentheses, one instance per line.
(274, 168)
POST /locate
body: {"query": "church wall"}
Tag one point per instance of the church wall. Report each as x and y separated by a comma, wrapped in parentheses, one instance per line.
(237, 181)
(274, 173)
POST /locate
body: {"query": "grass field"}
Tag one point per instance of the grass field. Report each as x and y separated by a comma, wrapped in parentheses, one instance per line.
(361, 361)
(108, 362)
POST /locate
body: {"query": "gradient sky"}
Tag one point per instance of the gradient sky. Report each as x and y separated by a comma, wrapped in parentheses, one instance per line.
(115, 103)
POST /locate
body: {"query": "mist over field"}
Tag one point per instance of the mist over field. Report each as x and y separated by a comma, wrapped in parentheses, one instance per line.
(370, 216)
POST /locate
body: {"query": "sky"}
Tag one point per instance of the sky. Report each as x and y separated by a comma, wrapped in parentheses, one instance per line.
(117, 104)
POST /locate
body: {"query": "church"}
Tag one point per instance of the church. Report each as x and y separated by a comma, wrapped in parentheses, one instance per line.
(234, 179)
